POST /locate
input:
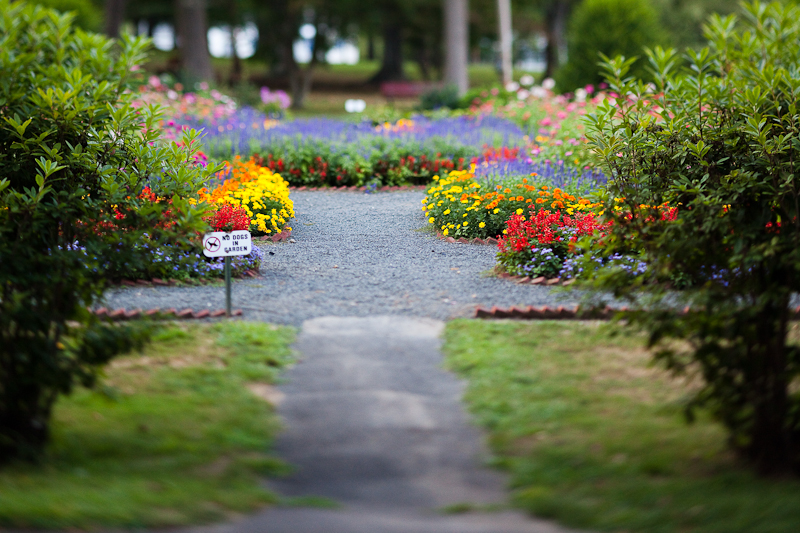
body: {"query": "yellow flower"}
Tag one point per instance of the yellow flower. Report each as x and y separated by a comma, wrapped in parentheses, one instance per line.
(519, 211)
(431, 220)
(446, 212)
(482, 225)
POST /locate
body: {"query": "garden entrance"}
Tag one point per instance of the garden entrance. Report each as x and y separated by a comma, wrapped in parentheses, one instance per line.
(372, 422)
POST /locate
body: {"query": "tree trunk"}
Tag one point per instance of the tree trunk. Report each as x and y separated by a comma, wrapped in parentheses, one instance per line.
(192, 29)
(556, 30)
(504, 23)
(300, 83)
(114, 16)
(370, 45)
(24, 421)
(771, 446)
(392, 66)
(456, 43)
(236, 67)
(300, 78)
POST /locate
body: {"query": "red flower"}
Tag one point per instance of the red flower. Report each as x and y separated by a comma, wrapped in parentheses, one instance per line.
(229, 218)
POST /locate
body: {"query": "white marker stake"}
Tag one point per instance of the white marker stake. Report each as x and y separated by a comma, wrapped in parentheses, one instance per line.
(227, 244)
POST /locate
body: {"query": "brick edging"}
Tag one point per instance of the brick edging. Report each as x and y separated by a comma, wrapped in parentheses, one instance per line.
(491, 241)
(170, 313)
(278, 237)
(547, 313)
(564, 313)
(363, 188)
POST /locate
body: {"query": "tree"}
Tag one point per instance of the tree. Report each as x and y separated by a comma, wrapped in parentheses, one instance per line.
(704, 191)
(392, 26)
(610, 27)
(556, 15)
(504, 20)
(192, 31)
(114, 16)
(456, 40)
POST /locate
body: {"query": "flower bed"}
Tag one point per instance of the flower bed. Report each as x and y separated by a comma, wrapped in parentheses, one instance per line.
(461, 204)
(263, 194)
(319, 152)
(554, 123)
(539, 244)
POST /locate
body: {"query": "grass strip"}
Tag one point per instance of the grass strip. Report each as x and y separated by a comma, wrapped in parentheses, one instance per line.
(594, 436)
(178, 434)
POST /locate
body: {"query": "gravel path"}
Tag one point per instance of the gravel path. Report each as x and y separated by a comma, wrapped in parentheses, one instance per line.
(357, 255)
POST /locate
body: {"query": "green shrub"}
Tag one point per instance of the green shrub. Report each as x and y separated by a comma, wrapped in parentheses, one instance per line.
(721, 145)
(438, 98)
(75, 159)
(610, 27)
(87, 15)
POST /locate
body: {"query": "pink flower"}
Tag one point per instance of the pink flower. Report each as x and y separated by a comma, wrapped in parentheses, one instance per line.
(546, 121)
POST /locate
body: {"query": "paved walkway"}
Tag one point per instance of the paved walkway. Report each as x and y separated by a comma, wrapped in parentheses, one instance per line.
(373, 423)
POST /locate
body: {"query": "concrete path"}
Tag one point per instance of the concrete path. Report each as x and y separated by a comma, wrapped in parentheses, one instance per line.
(373, 423)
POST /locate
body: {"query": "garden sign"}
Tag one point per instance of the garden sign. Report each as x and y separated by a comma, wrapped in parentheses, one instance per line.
(227, 244)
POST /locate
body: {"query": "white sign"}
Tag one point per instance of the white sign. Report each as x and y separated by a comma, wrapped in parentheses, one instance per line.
(223, 244)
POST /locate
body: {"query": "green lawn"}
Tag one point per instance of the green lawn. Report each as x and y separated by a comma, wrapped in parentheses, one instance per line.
(594, 437)
(175, 435)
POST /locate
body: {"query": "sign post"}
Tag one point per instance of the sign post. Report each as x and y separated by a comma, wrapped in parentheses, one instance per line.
(228, 285)
(227, 244)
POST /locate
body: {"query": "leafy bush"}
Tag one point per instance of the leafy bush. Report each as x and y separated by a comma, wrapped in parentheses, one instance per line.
(720, 140)
(87, 16)
(610, 27)
(438, 98)
(74, 158)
